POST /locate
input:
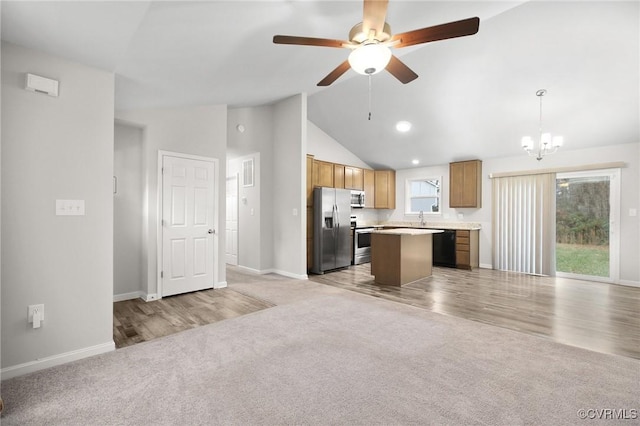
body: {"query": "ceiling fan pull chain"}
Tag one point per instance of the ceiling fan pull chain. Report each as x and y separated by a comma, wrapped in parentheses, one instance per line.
(369, 97)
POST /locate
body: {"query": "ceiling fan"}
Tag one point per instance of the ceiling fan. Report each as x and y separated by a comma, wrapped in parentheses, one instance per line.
(370, 40)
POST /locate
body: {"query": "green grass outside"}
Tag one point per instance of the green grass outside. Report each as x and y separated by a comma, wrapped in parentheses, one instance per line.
(583, 259)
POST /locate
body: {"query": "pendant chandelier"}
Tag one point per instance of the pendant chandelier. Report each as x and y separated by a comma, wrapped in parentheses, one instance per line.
(547, 144)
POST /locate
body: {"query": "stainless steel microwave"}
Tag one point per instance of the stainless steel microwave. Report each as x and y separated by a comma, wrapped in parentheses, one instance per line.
(357, 199)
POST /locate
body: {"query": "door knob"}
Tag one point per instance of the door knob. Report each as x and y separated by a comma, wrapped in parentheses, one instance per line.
(211, 231)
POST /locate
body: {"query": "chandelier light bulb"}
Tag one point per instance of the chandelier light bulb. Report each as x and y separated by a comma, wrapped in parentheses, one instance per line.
(557, 141)
(369, 59)
(547, 144)
(527, 142)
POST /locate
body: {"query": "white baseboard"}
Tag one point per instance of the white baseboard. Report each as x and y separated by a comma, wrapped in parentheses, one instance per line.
(221, 284)
(246, 268)
(629, 283)
(290, 275)
(275, 271)
(52, 361)
(128, 296)
(149, 297)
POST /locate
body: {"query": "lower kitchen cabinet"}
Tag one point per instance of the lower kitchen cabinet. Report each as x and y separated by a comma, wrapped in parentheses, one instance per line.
(467, 249)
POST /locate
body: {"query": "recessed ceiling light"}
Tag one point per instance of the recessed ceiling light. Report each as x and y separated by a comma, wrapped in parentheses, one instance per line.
(415, 162)
(403, 126)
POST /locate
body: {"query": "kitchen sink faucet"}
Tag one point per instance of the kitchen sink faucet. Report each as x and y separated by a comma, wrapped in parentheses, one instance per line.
(421, 217)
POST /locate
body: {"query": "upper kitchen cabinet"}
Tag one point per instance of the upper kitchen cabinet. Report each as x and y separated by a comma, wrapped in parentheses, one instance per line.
(385, 189)
(353, 178)
(322, 174)
(339, 176)
(465, 184)
(369, 188)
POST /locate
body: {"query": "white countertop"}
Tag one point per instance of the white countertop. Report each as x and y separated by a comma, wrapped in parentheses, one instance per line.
(407, 231)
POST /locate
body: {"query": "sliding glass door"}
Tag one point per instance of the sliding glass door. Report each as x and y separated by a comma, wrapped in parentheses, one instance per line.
(587, 212)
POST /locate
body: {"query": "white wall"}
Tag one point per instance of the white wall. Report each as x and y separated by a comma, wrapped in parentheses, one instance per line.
(324, 147)
(630, 195)
(250, 215)
(128, 213)
(197, 131)
(0, 196)
(255, 232)
(289, 182)
(55, 148)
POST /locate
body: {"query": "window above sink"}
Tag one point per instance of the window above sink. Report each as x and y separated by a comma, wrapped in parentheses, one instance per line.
(423, 195)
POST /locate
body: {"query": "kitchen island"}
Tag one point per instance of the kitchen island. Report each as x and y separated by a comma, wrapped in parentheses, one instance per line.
(400, 256)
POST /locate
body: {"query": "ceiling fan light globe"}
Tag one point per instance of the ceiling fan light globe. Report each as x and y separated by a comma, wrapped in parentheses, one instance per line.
(369, 58)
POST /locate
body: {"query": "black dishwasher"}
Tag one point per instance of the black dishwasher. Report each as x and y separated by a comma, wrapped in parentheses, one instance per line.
(444, 248)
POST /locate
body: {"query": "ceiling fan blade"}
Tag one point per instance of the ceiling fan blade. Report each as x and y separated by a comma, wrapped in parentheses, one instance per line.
(400, 71)
(309, 41)
(335, 74)
(438, 32)
(373, 16)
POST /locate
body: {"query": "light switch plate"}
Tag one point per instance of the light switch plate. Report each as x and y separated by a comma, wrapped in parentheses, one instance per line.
(32, 308)
(69, 207)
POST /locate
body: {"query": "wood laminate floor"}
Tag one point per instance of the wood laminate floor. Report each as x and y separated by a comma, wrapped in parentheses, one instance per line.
(597, 316)
(136, 321)
(592, 315)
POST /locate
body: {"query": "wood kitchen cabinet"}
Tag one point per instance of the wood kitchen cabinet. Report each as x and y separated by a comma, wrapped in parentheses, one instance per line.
(465, 184)
(339, 176)
(369, 188)
(353, 178)
(385, 189)
(467, 249)
(322, 173)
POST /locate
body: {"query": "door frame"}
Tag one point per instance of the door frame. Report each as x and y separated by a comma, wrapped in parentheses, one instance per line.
(614, 224)
(159, 227)
(236, 177)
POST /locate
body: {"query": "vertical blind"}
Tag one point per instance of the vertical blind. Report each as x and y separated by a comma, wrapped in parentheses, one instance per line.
(523, 223)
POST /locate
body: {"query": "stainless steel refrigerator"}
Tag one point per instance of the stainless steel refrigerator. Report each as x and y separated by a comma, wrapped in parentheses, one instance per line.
(331, 222)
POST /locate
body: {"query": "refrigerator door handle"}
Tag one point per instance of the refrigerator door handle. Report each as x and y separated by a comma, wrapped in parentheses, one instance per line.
(333, 217)
(337, 216)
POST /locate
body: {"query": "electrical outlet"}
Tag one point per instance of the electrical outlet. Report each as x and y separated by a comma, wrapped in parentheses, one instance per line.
(32, 309)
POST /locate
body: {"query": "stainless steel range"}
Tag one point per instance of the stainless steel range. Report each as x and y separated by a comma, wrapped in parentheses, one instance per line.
(362, 245)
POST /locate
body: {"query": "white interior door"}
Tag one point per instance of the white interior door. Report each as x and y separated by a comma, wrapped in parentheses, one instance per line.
(231, 226)
(188, 189)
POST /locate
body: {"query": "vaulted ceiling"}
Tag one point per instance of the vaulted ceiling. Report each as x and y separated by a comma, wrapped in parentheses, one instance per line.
(475, 97)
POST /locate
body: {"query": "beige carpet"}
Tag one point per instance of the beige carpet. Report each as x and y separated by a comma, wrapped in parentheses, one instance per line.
(327, 356)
